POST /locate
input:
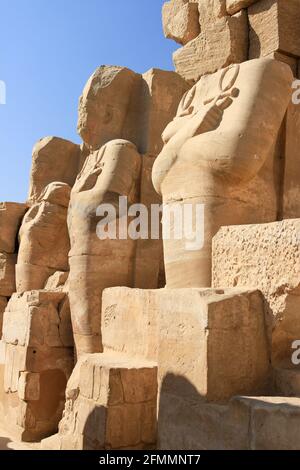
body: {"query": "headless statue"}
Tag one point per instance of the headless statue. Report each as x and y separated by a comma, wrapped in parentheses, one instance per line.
(219, 153)
(95, 263)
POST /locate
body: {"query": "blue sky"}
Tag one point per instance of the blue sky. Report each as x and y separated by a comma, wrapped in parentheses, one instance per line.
(49, 50)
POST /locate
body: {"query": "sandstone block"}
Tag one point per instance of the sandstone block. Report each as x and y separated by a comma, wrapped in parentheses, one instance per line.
(246, 423)
(287, 382)
(34, 320)
(291, 61)
(41, 251)
(274, 422)
(7, 274)
(215, 339)
(149, 267)
(291, 187)
(3, 304)
(181, 20)
(103, 105)
(160, 96)
(266, 256)
(57, 282)
(11, 214)
(118, 103)
(274, 26)
(233, 6)
(111, 404)
(29, 386)
(204, 55)
(37, 334)
(53, 159)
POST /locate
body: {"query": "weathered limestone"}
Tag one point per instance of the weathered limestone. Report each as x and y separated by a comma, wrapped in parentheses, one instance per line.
(7, 274)
(291, 61)
(274, 26)
(203, 54)
(246, 423)
(149, 260)
(216, 155)
(215, 340)
(57, 282)
(3, 304)
(291, 186)
(39, 360)
(287, 382)
(234, 6)
(11, 215)
(53, 159)
(44, 239)
(266, 256)
(118, 103)
(181, 20)
(96, 263)
(111, 404)
(103, 105)
(159, 99)
(164, 368)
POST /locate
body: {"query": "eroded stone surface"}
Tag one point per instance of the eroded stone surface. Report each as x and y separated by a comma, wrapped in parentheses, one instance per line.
(53, 159)
(44, 239)
(216, 158)
(11, 215)
(266, 256)
(111, 404)
(215, 340)
(274, 26)
(181, 20)
(233, 6)
(39, 359)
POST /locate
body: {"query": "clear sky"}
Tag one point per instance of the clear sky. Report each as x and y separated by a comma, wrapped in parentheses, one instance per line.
(49, 48)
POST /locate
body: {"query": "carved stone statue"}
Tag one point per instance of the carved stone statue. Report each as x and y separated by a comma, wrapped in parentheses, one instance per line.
(220, 152)
(44, 239)
(96, 263)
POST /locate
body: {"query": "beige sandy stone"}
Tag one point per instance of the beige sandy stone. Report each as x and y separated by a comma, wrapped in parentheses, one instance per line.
(95, 264)
(44, 239)
(181, 21)
(216, 157)
(103, 105)
(11, 215)
(291, 61)
(287, 382)
(160, 96)
(39, 361)
(111, 404)
(204, 55)
(57, 282)
(246, 423)
(53, 159)
(118, 103)
(266, 256)
(274, 26)
(215, 340)
(274, 422)
(233, 6)
(149, 266)
(3, 304)
(291, 186)
(7, 274)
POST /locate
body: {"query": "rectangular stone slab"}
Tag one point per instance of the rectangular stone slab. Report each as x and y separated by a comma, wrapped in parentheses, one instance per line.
(214, 339)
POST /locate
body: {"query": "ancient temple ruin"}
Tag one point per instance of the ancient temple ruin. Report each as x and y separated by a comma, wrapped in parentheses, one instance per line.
(153, 342)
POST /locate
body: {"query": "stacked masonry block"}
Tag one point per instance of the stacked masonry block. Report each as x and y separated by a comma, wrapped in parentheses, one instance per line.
(39, 358)
(247, 29)
(111, 404)
(11, 215)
